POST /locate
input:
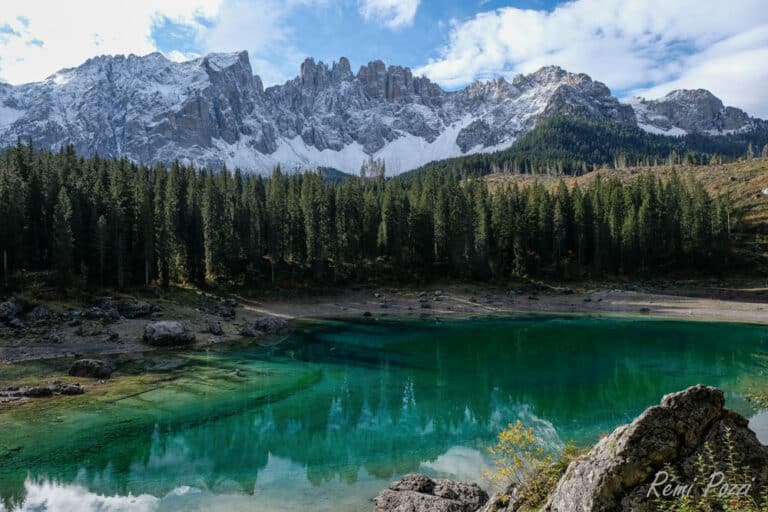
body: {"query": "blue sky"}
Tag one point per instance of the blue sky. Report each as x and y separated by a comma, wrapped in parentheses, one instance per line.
(646, 47)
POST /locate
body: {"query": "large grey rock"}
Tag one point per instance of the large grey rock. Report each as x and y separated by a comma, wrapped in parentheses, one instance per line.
(93, 368)
(419, 493)
(264, 325)
(617, 474)
(168, 332)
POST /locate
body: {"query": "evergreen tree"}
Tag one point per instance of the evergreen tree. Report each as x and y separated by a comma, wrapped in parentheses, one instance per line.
(63, 241)
(12, 213)
(102, 237)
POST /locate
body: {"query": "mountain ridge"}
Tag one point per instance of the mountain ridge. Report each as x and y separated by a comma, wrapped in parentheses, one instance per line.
(213, 111)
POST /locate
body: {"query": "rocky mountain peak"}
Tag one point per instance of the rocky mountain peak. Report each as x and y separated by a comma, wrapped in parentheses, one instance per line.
(213, 111)
(694, 96)
(689, 111)
(342, 70)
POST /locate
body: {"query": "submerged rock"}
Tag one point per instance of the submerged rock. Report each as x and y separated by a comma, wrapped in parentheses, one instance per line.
(37, 392)
(168, 332)
(21, 394)
(92, 368)
(72, 389)
(419, 493)
(264, 325)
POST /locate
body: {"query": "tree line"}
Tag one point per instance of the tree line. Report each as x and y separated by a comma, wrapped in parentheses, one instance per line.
(576, 145)
(110, 222)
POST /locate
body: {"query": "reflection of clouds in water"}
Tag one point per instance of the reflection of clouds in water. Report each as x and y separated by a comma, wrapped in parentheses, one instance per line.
(759, 425)
(53, 497)
(460, 463)
(506, 412)
(214, 466)
(278, 495)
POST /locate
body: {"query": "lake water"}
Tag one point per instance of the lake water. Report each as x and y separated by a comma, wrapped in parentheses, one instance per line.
(328, 417)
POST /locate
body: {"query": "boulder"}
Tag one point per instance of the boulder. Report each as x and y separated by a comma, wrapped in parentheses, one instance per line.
(264, 325)
(109, 314)
(39, 314)
(37, 392)
(92, 368)
(71, 389)
(419, 493)
(10, 309)
(168, 332)
(619, 472)
(214, 327)
(135, 309)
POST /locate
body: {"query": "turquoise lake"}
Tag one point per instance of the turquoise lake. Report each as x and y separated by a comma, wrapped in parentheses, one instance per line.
(327, 417)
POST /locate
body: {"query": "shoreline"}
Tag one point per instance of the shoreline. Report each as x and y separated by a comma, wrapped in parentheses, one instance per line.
(124, 337)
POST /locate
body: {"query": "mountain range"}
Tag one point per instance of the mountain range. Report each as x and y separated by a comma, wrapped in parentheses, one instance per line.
(214, 111)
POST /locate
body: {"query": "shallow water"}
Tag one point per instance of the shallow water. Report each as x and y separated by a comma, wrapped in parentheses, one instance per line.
(325, 419)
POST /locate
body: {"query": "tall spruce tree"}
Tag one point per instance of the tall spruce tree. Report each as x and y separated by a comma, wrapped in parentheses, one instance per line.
(63, 240)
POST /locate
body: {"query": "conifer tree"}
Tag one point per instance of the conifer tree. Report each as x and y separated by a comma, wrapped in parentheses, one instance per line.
(63, 241)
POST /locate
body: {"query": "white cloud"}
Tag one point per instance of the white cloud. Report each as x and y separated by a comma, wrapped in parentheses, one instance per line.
(39, 43)
(263, 28)
(628, 44)
(55, 35)
(177, 56)
(392, 13)
(732, 69)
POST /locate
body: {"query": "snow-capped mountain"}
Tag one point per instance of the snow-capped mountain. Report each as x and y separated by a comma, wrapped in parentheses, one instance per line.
(689, 111)
(213, 111)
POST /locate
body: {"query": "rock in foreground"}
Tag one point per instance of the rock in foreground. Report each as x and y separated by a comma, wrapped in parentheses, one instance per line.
(419, 493)
(690, 435)
(619, 472)
(168, 333)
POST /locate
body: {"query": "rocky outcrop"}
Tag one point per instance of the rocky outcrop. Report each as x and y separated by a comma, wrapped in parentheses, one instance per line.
(168, 332)
(17, 394)
(419, 493)
(690, 111)
(212, 111)
(264, 325)
(619, 473)
(92, 368)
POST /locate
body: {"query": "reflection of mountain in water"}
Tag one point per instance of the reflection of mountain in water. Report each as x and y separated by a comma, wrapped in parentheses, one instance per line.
(390, 398)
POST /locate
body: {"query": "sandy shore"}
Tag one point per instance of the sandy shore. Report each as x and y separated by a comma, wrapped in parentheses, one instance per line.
(472, 301)
(734, 303)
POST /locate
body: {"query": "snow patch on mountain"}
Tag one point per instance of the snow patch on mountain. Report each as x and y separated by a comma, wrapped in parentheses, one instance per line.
(689, 111)
(8, 116)
(212, 111)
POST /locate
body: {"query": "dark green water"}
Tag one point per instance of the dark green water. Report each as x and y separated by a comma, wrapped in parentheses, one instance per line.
(328, 417)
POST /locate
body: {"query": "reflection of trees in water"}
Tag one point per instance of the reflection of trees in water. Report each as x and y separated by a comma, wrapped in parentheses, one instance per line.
(391, 398)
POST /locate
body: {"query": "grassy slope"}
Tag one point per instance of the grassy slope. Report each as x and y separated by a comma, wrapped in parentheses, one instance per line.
(743, 181)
